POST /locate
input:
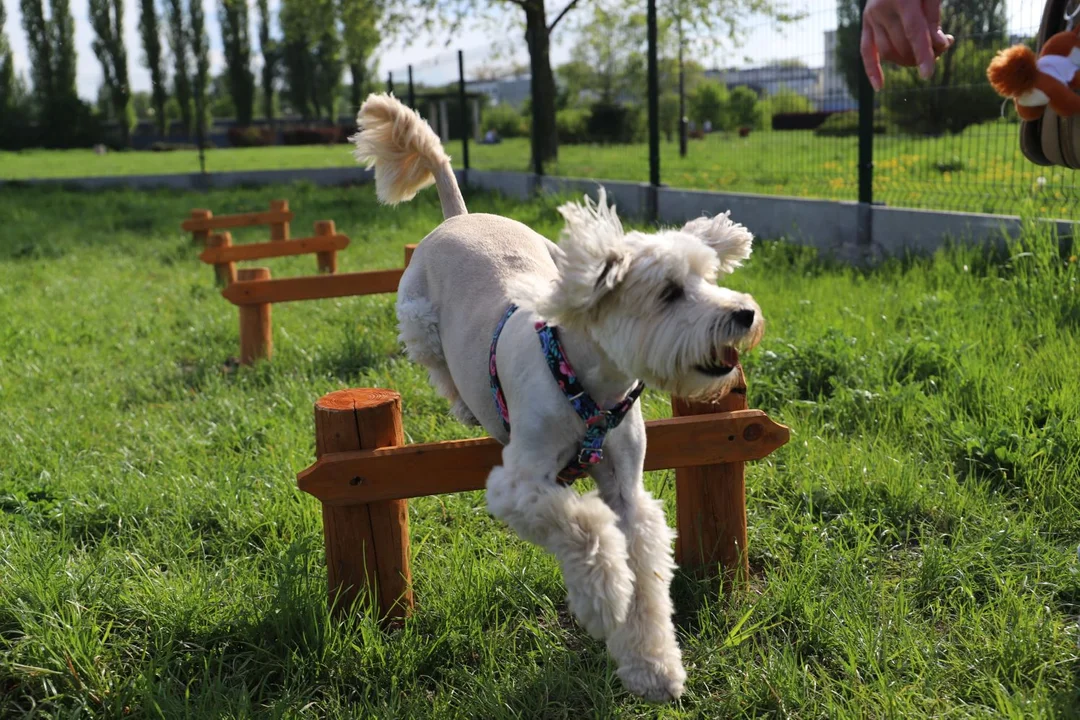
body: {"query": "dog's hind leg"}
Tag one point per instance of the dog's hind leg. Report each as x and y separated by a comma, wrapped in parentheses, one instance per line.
(579, 530)
(645, 646)
(418, 328)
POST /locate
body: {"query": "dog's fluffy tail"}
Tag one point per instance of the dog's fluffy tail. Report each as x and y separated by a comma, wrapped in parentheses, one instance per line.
(406, 154)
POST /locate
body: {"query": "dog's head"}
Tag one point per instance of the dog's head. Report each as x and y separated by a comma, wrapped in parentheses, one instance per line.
(651, 301)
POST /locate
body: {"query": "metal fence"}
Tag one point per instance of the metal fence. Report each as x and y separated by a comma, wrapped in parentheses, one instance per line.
(775, 116)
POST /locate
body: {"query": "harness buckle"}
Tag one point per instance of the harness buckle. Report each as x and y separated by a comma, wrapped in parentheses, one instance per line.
(590, 456)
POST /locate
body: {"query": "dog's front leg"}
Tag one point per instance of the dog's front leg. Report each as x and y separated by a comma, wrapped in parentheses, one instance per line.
(581, 531)
(645, 646)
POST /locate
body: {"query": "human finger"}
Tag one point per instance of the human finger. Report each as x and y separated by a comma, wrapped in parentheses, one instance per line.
(871, 62)
(917, 35)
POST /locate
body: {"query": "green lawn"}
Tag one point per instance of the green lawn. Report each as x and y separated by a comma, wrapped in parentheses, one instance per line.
(913, 548)
(980, 170)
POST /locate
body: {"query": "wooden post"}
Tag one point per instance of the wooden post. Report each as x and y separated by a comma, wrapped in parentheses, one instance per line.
(711, 500)
(327, 260)
(409, 250)
(200, 237)
(367, 545)
(224, 272)
(279, 230)
(256, 333)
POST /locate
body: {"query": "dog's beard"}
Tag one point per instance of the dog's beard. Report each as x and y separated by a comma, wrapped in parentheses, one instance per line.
(674, 354)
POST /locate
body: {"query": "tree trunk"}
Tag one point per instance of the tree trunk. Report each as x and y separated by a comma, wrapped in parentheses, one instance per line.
(545, 140)
(356, 70)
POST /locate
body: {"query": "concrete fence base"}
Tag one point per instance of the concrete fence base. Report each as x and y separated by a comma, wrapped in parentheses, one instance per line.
(842, 229)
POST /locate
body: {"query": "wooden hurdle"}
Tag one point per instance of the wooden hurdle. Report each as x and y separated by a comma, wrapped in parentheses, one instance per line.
(254, 292)
(202, 222)
(219, 250)
(364, 475)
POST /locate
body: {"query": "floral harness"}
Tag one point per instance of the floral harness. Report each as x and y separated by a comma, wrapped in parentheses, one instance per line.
(597, 420)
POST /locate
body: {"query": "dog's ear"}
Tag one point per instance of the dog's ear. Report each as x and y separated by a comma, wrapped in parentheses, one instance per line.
(731, 241)
(594, 258)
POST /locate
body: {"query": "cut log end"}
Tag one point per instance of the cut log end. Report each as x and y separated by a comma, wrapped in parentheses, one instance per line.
(357, 399)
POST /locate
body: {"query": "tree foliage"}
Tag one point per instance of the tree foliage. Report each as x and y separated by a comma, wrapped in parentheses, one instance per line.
(360, 37)
(236, 42)
(62, 118)
(312, 56)
(178, 45)
(150, 33)
(107, 20)
(200, 47)
(271, 55)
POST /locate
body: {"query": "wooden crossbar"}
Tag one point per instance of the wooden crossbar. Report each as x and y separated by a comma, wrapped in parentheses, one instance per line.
(225, 222)
(313, 288)
(277, 248)
(392, 473)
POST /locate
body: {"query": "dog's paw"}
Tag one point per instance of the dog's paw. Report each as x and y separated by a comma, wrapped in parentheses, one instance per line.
(463, 414)
(655, 682)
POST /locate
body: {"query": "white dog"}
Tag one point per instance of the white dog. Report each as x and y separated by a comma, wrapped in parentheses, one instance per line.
(600, 313)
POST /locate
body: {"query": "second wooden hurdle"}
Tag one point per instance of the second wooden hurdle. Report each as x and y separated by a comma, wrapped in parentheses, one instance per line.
(254, 292)
(364, 475)
(220, 252)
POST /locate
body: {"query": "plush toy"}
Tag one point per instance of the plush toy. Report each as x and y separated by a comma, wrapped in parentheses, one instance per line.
(1035, 82)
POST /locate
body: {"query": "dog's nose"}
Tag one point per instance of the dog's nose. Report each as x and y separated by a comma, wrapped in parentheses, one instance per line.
(743, 318)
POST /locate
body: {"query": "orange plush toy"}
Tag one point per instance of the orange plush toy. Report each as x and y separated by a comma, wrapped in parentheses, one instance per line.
(1035, 82)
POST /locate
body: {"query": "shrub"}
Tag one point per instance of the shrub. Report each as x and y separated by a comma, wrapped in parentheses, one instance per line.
(505, 120)
(572, 125)
(613, 123)
(845, 124)
(250, 136)
(707, 102)
(311, 136)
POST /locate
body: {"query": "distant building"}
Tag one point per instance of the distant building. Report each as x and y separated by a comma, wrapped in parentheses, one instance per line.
(823, 86)
(834, 90)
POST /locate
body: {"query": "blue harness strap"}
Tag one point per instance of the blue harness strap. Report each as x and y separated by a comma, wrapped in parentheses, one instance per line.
(597, 420)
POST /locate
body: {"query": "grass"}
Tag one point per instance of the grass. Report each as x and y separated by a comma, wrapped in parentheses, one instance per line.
(913, 548)
(979, 170)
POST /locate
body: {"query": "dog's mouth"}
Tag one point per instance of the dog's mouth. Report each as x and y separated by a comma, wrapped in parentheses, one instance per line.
(721, 363)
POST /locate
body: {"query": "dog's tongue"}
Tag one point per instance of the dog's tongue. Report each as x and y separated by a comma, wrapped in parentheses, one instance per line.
(729, 356)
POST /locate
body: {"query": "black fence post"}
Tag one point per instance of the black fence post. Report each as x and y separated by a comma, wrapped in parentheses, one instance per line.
(866, 155)
(464, 102)
(412, 93)
(390, 83)
(654, 114)
(682, 93)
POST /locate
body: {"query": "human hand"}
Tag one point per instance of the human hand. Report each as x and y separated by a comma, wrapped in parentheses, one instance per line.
(905, 32)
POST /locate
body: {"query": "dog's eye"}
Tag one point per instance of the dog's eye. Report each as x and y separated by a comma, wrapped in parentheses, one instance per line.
(672, 292)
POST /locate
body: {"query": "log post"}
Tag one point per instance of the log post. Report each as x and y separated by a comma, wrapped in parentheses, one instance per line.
(279, 230)
(409, 250)
(327, 260)
(200, 237)
(256, 333)
(367, 545)
(224, 272)
(711, 500)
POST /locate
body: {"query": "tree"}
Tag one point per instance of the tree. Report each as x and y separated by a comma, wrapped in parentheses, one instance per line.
(312, 56)
(62, 117)
(151, 42)
(708, 102)
(107, 19)
(199, 51)
(7, 70)
(236, 41)
(360, 36)
(178, 44)
(742, 109)
(271, 53)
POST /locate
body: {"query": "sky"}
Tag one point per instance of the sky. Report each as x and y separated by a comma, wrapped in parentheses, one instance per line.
(434, 60)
